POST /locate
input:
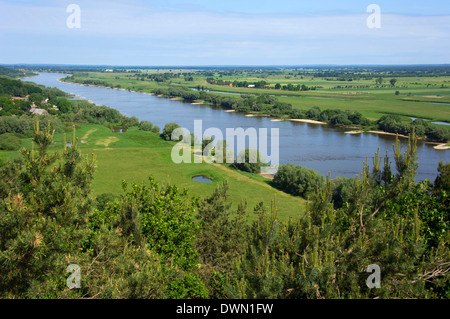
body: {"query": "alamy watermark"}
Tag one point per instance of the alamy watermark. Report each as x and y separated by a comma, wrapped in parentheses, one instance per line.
(374, 20)
(74, 280)
(74, 19)
(220, 150)
(374, 280)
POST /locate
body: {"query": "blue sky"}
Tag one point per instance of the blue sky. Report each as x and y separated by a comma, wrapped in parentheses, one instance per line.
(208, 32)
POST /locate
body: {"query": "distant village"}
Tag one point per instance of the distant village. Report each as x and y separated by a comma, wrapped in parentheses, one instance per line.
(34, 109)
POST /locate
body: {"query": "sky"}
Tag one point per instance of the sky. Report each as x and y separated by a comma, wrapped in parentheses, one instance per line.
(232, 32)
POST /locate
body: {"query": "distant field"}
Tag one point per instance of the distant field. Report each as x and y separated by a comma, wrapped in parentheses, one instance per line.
(135, 155)
(416, 95)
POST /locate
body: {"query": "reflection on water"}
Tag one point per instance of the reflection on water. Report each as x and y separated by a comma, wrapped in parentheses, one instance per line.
(202, 179)
(320, 147)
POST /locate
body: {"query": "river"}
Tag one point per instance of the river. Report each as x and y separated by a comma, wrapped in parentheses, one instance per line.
(320, 147)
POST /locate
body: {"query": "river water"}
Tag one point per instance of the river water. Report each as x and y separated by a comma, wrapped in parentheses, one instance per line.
(320, 147)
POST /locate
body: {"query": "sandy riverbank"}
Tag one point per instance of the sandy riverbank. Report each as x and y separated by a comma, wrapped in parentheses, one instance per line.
(308, 121)
(387, 133)
(442, 147)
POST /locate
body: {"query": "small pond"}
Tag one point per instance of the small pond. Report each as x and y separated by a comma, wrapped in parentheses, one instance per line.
(118, 130)
(202, 179)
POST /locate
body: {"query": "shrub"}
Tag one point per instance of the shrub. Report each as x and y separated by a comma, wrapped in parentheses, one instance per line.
(9, 142)
(250, 161)
(297, 180)
(145, 126)
(168, 129)
(156, 129)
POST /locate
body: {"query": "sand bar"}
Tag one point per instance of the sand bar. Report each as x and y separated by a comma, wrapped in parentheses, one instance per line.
(387, 133)
(309, 121)
(442, 147)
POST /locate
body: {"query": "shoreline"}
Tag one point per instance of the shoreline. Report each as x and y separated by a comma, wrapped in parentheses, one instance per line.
(387, 133)
(308, 121)
(443, 146)
(439, 146)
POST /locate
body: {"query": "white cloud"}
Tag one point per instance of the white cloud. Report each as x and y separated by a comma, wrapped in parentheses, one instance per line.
(221, 36)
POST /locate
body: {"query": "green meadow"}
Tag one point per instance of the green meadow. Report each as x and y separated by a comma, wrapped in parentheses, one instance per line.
(135, 155)
(422, 97)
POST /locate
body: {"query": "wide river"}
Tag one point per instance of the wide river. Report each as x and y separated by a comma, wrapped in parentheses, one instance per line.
(320, 147)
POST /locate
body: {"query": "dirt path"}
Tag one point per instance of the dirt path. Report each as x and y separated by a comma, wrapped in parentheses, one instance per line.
(85, 137)
(107, 141)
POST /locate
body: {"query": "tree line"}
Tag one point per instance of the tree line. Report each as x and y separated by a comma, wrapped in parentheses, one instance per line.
(157, 241)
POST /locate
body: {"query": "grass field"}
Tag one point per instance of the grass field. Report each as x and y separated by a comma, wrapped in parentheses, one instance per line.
(420, 97)
(135, 155)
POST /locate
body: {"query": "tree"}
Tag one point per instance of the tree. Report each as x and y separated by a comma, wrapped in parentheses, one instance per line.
(297, 180)
(393, 81)
(9, 142)
(222, 237)
(249, 160)
(43, 217)
(325, 253)
(161, 217)
(130, 121)
(168, 129)
(313, 113)
(145, 126)
(156, 129)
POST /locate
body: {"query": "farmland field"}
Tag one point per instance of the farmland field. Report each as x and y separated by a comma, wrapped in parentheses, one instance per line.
(425, 97)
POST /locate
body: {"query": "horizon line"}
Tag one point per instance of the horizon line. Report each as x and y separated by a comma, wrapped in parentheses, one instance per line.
(221, 65)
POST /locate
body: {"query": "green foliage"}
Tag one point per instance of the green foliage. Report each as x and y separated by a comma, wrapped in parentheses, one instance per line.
(325, 253)
(394, 124)
(145, 126)
(130, 121)
(168, 129)
(223, 232)
(83, 111)
(9, 142)
(13, 73)
(342, 191)
(43, 217)
(442, 181)
(47, 222)
(440, 134)
(297, 180)
(24, 124)
(156, 129)
(17, 88)
(190, 286)
(104, 199)
(158, 242)
(249, 160)
(162, 217)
